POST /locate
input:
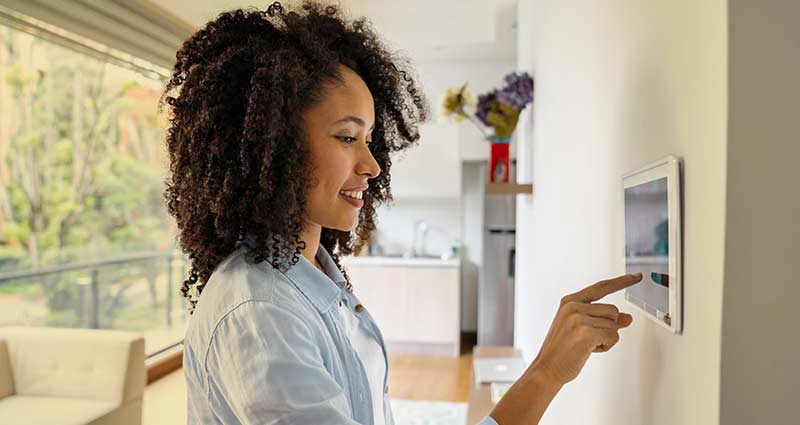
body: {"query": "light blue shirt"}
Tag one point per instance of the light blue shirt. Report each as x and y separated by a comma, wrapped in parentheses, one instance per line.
(267, 347)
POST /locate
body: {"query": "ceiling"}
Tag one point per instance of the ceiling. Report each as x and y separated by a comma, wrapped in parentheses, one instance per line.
(427, 30)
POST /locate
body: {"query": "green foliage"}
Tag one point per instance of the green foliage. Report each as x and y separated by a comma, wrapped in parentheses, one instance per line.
(84, 179)
(21, 288)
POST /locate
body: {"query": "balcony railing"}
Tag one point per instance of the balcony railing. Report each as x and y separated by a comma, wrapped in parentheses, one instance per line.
(137, 292)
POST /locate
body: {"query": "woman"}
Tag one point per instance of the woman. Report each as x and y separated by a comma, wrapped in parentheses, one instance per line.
(282, 126)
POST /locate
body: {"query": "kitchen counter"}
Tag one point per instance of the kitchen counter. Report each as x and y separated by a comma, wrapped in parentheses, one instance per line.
(397, 261)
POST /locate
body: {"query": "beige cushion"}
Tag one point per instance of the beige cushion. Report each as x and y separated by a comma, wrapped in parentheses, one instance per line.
(85, 364)
(29, 410)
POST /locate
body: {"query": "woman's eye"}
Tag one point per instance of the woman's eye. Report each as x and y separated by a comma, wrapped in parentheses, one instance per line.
(350, 140)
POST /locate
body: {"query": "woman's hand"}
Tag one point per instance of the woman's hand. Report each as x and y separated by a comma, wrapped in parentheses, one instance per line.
(579, 329)
(582, 328)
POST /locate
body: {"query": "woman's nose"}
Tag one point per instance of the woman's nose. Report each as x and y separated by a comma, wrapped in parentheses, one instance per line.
(367, 165)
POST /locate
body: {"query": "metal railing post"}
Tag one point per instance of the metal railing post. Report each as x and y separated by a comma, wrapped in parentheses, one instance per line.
(84, 305)
(94, 322)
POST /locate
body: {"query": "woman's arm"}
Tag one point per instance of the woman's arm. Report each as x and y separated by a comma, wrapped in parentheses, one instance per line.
(526, 401)
(579, 329)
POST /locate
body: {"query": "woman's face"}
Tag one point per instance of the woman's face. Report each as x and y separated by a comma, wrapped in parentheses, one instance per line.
(338, 130)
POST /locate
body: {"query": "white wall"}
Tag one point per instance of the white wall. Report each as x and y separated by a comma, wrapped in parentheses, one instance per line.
(760, 336)
(618, 85)
(396, 223)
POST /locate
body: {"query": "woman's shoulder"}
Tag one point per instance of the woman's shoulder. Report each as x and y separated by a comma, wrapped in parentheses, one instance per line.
(237, 277)
(237, 282)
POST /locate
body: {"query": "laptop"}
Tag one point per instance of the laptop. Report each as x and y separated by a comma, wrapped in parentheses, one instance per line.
(500, 369)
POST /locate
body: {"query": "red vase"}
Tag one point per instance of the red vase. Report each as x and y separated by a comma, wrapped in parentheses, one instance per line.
(499, 162)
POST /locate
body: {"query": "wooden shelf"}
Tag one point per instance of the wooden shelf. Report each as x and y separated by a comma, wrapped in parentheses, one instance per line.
(509, 188)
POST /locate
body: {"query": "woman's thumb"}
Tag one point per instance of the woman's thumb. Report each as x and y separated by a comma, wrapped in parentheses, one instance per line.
(624, 320)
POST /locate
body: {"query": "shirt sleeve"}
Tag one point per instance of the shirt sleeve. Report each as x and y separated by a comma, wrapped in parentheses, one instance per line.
(488, 421)
(264, 367)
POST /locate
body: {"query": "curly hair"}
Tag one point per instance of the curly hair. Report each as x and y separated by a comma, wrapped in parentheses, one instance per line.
(238, 160)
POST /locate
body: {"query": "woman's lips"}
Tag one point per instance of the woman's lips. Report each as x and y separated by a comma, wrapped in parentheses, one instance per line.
(358, 203)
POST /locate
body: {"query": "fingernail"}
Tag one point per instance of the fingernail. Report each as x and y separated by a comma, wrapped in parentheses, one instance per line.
(639, 274)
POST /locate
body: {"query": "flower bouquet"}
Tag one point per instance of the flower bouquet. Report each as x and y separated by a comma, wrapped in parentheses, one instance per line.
(495, 115)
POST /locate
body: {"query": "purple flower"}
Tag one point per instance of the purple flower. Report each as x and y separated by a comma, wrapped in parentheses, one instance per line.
(485, 105)
(518, 91)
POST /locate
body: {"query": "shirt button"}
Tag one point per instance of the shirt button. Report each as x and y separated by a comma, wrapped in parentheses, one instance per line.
(359, 308)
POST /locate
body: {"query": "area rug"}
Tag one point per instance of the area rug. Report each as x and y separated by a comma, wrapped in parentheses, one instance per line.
(413, 412)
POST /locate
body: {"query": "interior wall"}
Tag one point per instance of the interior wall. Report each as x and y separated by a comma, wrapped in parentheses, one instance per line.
(617, 86)
(760, 338)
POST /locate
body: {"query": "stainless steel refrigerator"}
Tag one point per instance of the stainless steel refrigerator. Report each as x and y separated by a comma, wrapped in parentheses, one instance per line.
(496, 282)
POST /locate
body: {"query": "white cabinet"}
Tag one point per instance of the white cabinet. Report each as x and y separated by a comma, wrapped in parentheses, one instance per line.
(417, 307)
(431, 168)
(433, 304)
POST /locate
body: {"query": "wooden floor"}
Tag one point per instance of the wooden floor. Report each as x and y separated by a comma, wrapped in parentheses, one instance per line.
(411, 377)
(430, 378)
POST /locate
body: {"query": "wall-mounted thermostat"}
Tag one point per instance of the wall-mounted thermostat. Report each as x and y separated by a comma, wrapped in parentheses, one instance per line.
(653, 240)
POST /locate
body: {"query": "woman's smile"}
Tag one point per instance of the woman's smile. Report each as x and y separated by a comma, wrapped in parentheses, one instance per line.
(353, 197)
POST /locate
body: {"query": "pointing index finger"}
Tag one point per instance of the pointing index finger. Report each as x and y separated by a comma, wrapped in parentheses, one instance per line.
(601, 289)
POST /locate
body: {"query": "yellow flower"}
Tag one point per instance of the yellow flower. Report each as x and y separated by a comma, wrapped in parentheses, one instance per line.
(453, 102)
(503, 118)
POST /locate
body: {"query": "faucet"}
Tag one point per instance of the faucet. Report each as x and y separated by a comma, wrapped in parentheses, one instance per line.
(420, 230)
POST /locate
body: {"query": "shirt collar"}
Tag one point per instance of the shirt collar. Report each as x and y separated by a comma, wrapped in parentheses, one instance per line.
(322, 289)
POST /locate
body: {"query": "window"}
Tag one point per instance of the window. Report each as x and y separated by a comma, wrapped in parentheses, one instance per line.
(85, 240)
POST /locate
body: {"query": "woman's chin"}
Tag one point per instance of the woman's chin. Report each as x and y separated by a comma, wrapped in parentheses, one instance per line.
(352, 226)
(346, 225)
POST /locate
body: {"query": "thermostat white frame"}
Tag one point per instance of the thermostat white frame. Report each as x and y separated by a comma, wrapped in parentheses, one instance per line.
(668, 167)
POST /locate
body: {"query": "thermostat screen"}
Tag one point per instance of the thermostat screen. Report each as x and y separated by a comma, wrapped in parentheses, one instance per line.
(647, 245)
